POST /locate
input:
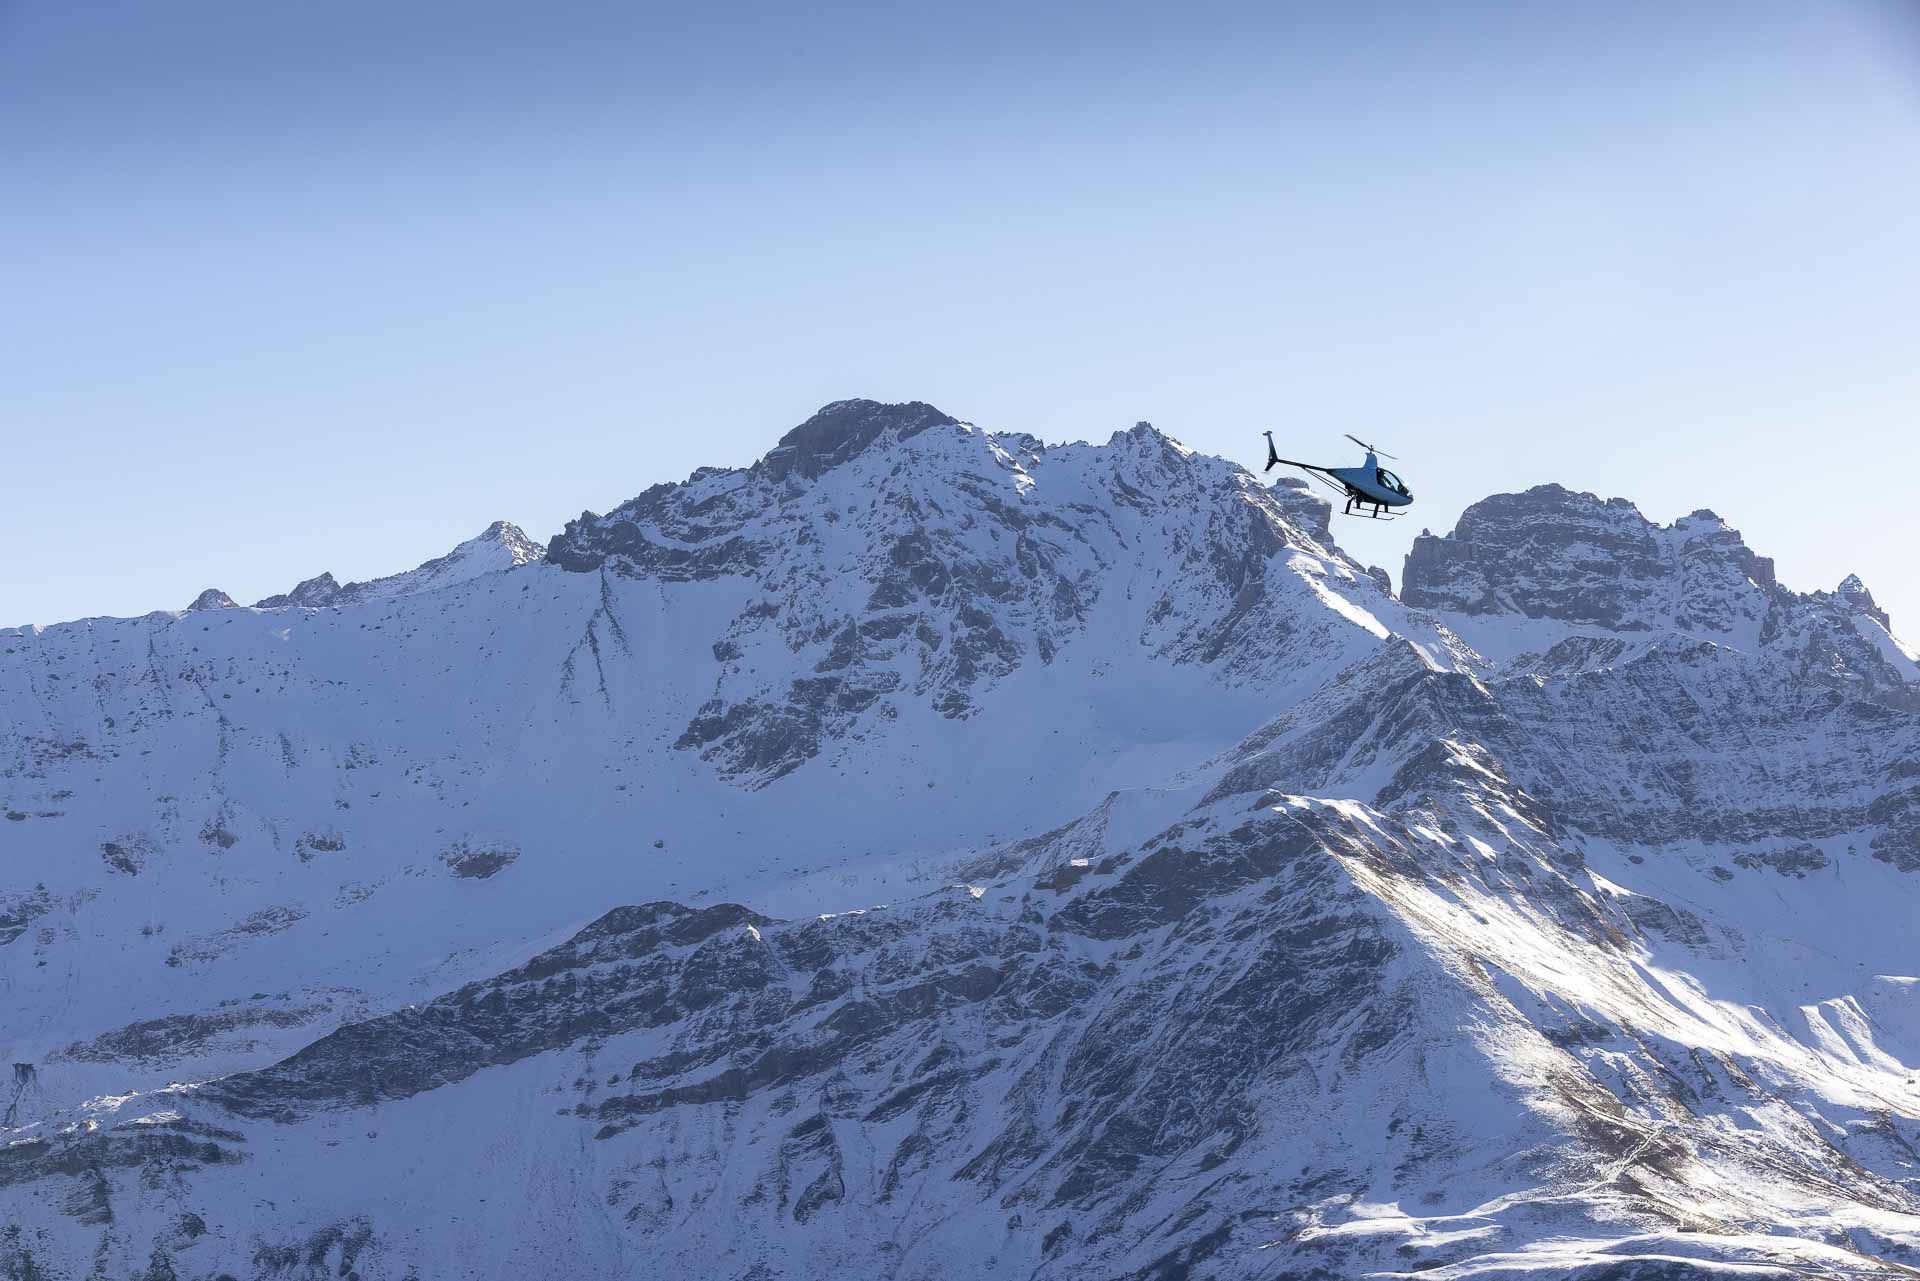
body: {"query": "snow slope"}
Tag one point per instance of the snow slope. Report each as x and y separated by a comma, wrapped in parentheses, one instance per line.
(929, 853)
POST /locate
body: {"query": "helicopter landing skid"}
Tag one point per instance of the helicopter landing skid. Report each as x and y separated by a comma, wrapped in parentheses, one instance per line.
(1378, 513)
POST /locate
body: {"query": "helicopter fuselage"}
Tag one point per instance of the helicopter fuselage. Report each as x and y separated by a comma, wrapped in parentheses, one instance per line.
(1368, 485)
(1371, 485)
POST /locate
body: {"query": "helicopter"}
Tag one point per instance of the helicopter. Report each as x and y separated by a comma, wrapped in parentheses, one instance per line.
(1368, 485)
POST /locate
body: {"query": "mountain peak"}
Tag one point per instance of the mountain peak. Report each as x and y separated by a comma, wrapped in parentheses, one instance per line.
(933, 569)
(845, 428)
(310, 593)
(520, 549)
(1855, 594)
(1144, 436)
(1551, 552)
(213, 598)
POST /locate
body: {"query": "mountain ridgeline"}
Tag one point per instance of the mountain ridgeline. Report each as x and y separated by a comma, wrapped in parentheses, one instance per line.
(932, 853)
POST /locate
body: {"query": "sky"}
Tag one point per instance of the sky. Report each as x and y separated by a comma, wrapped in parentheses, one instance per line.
(288, 287)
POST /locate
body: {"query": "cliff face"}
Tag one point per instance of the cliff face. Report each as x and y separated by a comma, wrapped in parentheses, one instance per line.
(1553, 553)
(934, 853)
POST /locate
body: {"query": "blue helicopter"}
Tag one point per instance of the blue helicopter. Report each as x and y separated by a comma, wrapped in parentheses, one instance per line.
(1368, 485)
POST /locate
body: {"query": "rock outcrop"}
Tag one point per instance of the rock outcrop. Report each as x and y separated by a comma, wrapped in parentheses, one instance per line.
(213, 598)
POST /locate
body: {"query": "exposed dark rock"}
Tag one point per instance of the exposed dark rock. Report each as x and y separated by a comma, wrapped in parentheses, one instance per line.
(271, 920)
(843, 429)
(19, 911)
(182, 1034)
(214, 832)
(312, 844)
(479, 860)
(309, 594)
(1857, 598)
(128, 855)
(1794, 860)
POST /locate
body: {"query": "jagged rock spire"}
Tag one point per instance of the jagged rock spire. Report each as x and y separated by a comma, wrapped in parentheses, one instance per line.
(1855, 594)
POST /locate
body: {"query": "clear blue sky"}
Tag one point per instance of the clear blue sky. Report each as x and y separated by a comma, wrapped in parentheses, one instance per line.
(293, 287)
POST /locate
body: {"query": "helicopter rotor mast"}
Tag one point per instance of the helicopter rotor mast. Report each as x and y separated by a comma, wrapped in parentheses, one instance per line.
(1369, 448)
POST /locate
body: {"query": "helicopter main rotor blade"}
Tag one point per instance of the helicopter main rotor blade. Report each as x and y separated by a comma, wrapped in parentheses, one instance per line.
(1369, 448)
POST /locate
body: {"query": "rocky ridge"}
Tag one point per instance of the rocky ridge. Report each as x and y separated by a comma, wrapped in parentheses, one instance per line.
(499, 546)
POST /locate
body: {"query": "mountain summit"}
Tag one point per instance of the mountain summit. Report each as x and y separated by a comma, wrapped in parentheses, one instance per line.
(932, 852)
(213, 598)
(1554, 553)
(1855, 594)
(843, 429)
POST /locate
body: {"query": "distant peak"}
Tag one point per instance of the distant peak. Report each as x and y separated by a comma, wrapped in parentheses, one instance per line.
(505, 534)
(1860, 600)
(500, 546)
(842, 430)
(1145, 433)
(1551, 552)
(309, 594)
(213, 598)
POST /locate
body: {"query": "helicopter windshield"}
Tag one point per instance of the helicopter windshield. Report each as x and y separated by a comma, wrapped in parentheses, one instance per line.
(1389, 480)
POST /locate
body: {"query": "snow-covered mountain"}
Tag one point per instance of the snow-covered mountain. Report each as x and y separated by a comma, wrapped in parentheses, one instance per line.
(931, 853)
